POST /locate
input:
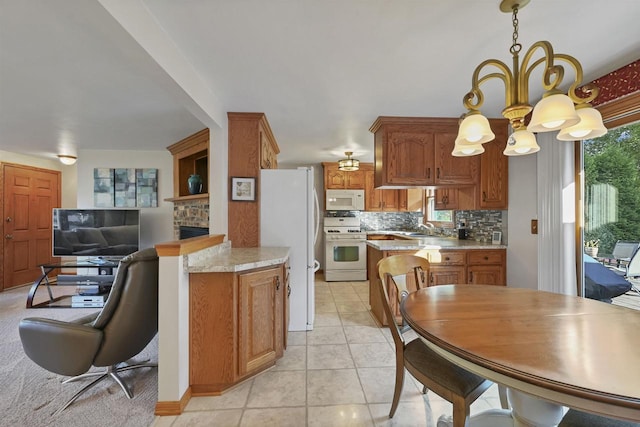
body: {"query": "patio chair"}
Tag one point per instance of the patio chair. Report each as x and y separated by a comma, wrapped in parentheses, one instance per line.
(621, 255)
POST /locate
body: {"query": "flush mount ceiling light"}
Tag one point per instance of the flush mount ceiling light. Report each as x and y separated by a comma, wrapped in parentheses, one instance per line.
(348, 164)
(67, 159)
(572, 114)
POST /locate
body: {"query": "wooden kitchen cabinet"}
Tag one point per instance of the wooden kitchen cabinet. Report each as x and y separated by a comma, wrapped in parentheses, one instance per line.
(404, 200)
(487, 267)
(335, 179)
(446, 267)
(237, 326)
(252, 147)
(456, 266)
(416, 151)
(494, 171)
(379, 200)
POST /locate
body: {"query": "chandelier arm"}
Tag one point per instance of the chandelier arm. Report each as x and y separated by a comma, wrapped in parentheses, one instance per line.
(506, 76)
(590, 90)
(548, 81)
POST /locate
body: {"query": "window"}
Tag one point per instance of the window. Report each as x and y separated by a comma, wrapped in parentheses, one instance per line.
(439, 218)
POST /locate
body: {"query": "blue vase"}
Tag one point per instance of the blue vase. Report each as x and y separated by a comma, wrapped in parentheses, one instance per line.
(195, 184)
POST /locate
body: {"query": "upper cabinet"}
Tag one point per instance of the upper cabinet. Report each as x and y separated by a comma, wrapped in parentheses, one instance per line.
(416, 152)
(252, 147)
(335, 179)
(190, 156)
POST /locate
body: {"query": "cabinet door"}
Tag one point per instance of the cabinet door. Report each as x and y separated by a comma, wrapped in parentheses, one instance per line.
(486, 275)
(494, 175)
(335, 179)
(390, 202)
(372, 197)
(446, 275)
(446, 198)
(258, 321)
(411, 200)
(454, 170)
(355, 180)
(409, 158)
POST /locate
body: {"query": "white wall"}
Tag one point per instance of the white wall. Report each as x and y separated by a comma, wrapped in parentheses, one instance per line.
(156, 223)
(69, 173)
(522, 250)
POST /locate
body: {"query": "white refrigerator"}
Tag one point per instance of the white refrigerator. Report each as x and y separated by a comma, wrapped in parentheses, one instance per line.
(289, 217)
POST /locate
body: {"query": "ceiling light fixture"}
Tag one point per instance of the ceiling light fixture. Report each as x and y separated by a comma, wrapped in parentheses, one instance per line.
(67, 159)
(348, 164)
(555, 111)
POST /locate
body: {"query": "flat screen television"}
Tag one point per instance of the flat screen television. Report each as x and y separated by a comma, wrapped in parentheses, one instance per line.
(95, 233)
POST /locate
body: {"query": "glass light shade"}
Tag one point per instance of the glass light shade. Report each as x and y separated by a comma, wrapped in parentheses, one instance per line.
(474, 129)
(466, 150)
(67, 159)
(553, 112)
(590, 126)
(348, 164)
(520, 143)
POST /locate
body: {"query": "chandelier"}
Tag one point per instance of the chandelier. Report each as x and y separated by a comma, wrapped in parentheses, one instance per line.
(570, 113)
(348, 164)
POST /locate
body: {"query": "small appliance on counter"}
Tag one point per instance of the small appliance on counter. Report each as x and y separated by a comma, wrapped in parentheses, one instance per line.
(463, 232)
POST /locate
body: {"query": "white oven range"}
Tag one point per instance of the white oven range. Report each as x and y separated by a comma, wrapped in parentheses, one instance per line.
(345, 250)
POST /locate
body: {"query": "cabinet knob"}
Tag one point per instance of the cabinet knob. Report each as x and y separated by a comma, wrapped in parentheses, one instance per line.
(429, 173)
(431, 277)
(486, 258)
(9, 219)
(277, 282)
(438, 173)
(288, 290)
(8, 236)
(446, 258)
(484, 196)
(471, 277)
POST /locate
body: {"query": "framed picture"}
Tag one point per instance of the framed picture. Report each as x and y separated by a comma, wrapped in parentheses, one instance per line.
(243, 189)
(496, 237)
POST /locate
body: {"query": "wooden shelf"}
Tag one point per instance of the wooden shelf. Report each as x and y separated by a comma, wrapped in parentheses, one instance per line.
(189, 197)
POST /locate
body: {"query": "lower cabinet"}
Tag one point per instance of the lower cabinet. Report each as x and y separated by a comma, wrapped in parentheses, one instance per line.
(237, 324)
(469, 266)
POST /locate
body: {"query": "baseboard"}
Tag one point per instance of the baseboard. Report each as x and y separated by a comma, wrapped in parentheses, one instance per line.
(168, 408)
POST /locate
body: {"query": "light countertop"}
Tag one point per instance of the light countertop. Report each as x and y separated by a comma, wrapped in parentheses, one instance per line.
(431, 242)
(236, 259)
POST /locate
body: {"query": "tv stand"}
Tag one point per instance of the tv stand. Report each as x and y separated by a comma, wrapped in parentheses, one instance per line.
(103, 278)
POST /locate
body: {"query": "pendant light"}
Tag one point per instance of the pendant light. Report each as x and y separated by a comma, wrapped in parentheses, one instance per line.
(348, 164)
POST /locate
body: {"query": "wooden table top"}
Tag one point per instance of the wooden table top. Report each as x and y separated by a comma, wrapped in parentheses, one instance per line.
(574, 351)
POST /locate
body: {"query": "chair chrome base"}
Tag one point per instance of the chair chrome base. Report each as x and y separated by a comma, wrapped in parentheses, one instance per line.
(110, 371)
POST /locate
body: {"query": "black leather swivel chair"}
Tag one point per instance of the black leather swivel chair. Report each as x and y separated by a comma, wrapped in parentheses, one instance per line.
(122, 329)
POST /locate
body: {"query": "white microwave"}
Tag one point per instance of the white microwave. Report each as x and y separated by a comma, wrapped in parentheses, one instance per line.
(344, 200)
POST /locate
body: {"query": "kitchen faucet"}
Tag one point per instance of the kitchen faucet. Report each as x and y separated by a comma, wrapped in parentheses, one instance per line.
(428, 226)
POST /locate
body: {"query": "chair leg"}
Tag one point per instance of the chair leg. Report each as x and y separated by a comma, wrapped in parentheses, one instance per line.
(110, 371)
(398, 389)
(79, 393)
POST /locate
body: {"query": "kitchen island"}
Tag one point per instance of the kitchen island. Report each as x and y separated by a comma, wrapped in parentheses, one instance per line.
(452, 261)
(224, 317)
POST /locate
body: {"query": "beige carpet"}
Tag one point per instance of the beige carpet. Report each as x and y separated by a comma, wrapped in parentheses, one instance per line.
(29, 394)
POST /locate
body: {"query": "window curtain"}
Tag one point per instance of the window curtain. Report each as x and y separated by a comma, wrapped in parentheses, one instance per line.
(556, 215)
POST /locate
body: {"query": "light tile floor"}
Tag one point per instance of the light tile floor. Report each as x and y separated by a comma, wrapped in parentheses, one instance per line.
(339, 374)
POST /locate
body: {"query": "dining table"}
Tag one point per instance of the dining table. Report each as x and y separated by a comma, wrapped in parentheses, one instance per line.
(551, 351)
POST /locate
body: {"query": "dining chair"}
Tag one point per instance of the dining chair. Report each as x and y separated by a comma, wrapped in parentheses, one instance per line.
(449, 381)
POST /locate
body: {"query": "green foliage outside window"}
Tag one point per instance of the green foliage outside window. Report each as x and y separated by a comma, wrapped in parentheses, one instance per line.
(612, 187)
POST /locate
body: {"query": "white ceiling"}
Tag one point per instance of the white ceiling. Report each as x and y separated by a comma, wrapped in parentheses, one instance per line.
(71, 78)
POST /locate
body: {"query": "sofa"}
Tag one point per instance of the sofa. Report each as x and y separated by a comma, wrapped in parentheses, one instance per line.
(83, 241)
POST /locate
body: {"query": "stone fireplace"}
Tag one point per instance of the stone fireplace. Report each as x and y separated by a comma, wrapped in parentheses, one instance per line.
(190, 213)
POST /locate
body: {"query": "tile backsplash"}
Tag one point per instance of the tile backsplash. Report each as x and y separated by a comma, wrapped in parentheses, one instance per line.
(480, 224)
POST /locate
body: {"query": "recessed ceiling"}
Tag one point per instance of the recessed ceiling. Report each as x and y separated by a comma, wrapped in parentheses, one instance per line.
(322, 71)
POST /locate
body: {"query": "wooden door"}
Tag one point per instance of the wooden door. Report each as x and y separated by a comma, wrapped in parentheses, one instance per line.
(454, 170)
(494, 173)
(257, 319)
(486, 275)
(409, 159)
(29, 195)
(446, 275)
